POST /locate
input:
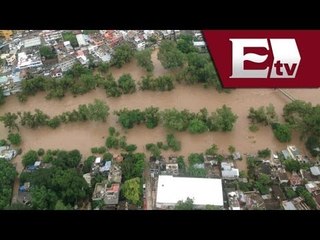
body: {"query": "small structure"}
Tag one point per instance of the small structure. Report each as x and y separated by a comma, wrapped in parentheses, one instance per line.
(295, 179)
(294, 153)
(203, 191)
(234, 203)
(286, 154)
(172, 169)
(7, 153)
(283, 177)
(87, 177)
(115, 174)
(29, 60)
(288, 205)
(236, 156)
(106, 167)
(315, 171)
(228, 172)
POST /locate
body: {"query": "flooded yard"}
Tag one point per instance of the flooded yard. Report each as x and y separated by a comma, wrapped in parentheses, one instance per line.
(83, 136)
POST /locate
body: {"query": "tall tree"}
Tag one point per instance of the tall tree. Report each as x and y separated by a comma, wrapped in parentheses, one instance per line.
(9, 120)
(144, 59)
(122, 54)
(132, 190)
(185, 205)
(7, 176)
(169, 56)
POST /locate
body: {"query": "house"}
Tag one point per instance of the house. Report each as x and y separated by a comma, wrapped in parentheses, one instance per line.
(51, 35)
(311, 187)
(107, 192)
(67, 64)
(228, 172)
(283, 177)
(295, 179)
(7, 153)
(88, 178)
(82, 40)
(203, 191)
(10, 84)
(106, 167)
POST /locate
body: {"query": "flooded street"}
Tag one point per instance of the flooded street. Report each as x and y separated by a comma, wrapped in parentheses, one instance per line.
(83, 136)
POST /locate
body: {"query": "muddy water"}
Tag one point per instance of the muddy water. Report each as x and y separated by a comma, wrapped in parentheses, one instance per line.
(83, 136)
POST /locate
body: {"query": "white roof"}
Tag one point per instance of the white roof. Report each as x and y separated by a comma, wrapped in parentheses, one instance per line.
(288, 206)
(32, 42)
(81, 40)
(203, 191)
(315, 171)
(98, 160)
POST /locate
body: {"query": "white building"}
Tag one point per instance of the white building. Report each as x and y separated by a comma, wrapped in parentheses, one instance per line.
(28, 60)
(81, 40)
(228, 172)
(32, 42)
(67, 64)
(51, 35)
(203, 191)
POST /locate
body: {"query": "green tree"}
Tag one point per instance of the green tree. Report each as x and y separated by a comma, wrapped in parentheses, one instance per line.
(43, 198)
(154, 149)
(54, 122)
(70, 186)
(225, 118)
(197, 126)
(151, 117)
(313, 144)
(126, 84)
(60, 206)
(2, 96)
(40, 152)
(231, 149)
(197, 172)
(47, 52)
(144, 59)
(7, 176)
(175, 120)
(122, 54)
(132, 190)
(14, 138)
(88, 164)
(132, 165)
(29, 158)
(127, 118)
(282, 132)
(98, 111)
(290, 193)
(185, 205)
(195, 158)
(69, 36)
(103, 67)
(131, 148)
(181, 165)
(302, 192)
(9, 121)
(173, 143)
(213, 150)
(264, 153)
(169, 56)
(292, 165)
(185, 44)
(263, 183)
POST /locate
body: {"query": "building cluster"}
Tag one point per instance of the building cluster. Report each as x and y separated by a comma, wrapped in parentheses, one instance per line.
(20, 50)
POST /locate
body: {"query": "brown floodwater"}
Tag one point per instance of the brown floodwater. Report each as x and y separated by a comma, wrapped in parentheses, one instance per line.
(83, 136)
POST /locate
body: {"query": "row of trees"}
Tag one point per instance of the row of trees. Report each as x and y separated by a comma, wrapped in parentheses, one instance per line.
(221, 120)
(97, 111)
(162, 83)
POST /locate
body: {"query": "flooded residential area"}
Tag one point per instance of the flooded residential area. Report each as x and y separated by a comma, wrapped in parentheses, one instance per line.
(86, 135)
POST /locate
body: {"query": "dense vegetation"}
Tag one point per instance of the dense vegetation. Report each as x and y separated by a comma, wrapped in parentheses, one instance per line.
(7, 176)
(97, 111)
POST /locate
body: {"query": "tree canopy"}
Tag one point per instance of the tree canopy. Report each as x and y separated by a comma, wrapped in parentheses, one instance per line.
(7, 176)
(132, 190)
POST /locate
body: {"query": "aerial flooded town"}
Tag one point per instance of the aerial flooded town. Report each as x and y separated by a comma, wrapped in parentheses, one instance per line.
(138, 120)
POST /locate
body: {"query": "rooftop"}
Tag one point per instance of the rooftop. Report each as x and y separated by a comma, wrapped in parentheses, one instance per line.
(204, 191)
